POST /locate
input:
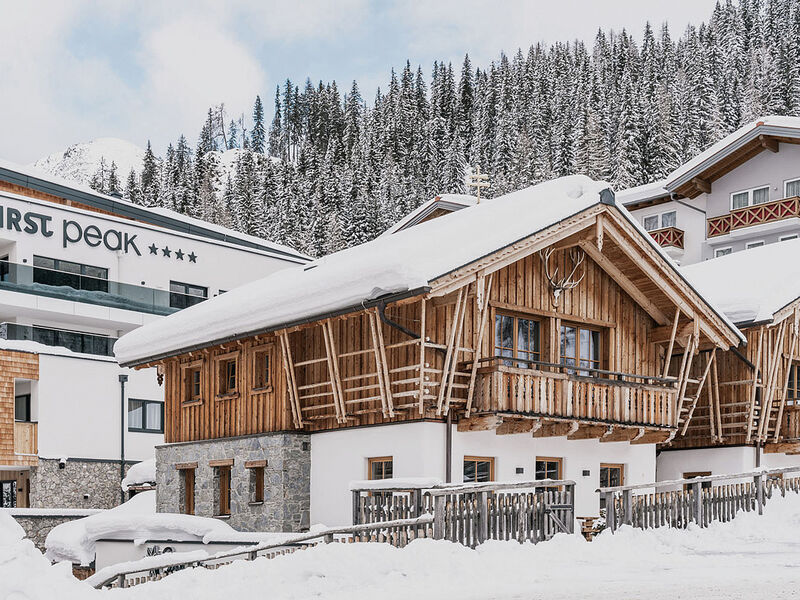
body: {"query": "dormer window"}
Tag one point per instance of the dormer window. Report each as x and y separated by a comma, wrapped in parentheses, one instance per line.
(750, 197)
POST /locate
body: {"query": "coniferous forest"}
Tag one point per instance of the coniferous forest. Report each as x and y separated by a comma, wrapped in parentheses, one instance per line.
(328, 168)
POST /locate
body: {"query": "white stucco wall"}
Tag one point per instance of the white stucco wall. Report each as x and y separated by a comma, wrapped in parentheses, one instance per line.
(690, 218)
(418, 450)
(672, 464)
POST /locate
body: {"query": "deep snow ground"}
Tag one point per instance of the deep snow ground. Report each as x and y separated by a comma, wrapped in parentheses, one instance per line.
(752, 557)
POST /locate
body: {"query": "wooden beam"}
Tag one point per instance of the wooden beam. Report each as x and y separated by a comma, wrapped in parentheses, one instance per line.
(782, 448)
(754, 385)
(515, 426)
(623, 434)
(598, 233)
(704, 185)
(338, 401)
(291, 382)
(454, 358)
(590, 432)
(668, 356)
(696, 398)
(556, 429)
(480, 423)
(769, 143)
(785, 387)
(477, 355)
(653, 437)
(384, 362)
(336, 379)
(422, 339)
(626, 284)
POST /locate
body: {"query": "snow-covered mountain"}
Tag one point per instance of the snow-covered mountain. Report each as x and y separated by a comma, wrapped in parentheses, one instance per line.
(80, 161)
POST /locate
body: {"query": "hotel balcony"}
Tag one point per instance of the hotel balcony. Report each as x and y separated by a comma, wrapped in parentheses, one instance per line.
(668, 237)
(559, 392)
(758, 214)
(78, 287)
(85, 343)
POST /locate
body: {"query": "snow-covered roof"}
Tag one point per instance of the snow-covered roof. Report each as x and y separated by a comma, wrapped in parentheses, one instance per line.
(31, 177)
(137, 518)
(405, 262)
(751, 285)
(139, 474)
(771, 125)
(640, 193)
(449, 202)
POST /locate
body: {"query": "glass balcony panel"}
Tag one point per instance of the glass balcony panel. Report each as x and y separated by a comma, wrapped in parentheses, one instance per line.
(86, 343)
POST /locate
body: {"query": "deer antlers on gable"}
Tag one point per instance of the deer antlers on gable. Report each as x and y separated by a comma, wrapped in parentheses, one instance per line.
(576, 256)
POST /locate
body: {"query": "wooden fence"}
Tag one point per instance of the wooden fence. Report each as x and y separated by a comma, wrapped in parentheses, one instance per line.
(470, 514)
(699, 500)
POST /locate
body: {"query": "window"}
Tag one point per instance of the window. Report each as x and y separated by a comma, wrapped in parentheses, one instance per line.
(791, 188)
(750, 197)
(651, 223)
(547, 468)
(8, 494)
(793, 390)
(722, 252)
(193, 382)
(611, 475)
(516, 337)
(478, 469)
(5, 269)
(146, 416)
(706, 485)
(262, 368)
(757, 244)
(256, 469)
(381, 467)
(183, 295)
(187, 488)
(22, 407)
(227, 374)
(580, 346)
(222, 479)
(53, 271)
(784, 238)
(669, 219)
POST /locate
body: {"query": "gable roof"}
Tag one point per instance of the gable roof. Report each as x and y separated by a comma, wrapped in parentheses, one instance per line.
(445, 202)
(751, 286)
(732, 151)
(31, 178)
(407, 263)
(640, 196)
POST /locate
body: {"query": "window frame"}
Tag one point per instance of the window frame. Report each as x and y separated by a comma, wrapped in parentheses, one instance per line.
(793, 383)
(223, 475)
(559, 460)
(755, 244)
(618, 466)
(476, 460)
(257, 470)
(578, 326)
(718, 250)
(145, 428)
(256, 384)
(188, 481)
(28, 412)
(516, 316)
(221, 362)
(659, 217)
(787, 237)
(658, 222)
(749, 192)
(187, 397)
(786, 183)
(185, 293)
(102, 287)
(379, 460)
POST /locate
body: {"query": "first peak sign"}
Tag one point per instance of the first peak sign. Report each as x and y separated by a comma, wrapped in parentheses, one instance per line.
(71, 232)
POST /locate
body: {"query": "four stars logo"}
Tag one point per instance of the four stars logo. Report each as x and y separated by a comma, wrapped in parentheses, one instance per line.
(167, 253)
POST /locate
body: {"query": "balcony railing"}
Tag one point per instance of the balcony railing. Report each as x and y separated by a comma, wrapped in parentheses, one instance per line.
(92, 290)
(768, 212)
(76, 341)
(564, 392)
(25, 437)
(668, 237)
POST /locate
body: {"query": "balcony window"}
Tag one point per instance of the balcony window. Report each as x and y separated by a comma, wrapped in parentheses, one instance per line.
(22, 407)
(651, 223)
(183, 295)
(145, 416)
(792, 188)
(654, 222)
(750, 197)
(56, 272)
(668, 219)
(517, 337)
(478, 469)
(580, 346)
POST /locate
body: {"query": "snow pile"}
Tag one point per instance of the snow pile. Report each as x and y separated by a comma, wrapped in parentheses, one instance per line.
(402, 262)
(140, 473)
(10, 530)
(752, 285)
(80, 161)
(136, 519)
(396, 483)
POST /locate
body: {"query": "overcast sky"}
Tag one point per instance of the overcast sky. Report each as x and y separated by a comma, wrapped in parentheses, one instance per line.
(71, 71)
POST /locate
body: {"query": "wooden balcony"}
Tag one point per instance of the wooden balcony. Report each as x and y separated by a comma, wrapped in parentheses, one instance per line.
(768, 212)
(26, 438)
(668, 237)
(590, 395)
(790, 429)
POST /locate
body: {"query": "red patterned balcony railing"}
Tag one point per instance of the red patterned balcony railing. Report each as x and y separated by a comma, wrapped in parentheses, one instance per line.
(768, 212)
(669, 236)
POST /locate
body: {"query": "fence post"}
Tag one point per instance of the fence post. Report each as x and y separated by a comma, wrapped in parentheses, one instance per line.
(759, 480)
(328, 538)
(697, 508)
(438, 517)
(611, 511)
(356, 502)
(121, 580)
(570, 489)
(483, 519)
(417, 502)
(627, 508)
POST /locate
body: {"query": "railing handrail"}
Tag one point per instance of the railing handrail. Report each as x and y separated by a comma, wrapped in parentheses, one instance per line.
(251, 550)
(652, 378)
(752, 206)
(692, 480)
(471, 488)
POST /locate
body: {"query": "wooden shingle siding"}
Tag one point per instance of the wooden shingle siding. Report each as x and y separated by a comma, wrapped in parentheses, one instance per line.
(14, 365)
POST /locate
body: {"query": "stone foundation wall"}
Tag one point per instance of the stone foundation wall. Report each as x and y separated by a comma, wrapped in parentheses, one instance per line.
(287, 479)
(80, 484)
(37, 527)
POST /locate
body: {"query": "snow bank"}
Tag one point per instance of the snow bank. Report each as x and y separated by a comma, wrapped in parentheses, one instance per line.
(405, 261)
(140, 473)
(136, 519)
(396, 483)
(751, 285)
(10, 530)
(149, 562)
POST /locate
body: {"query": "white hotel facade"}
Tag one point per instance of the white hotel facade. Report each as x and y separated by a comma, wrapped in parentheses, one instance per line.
(77, 271)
